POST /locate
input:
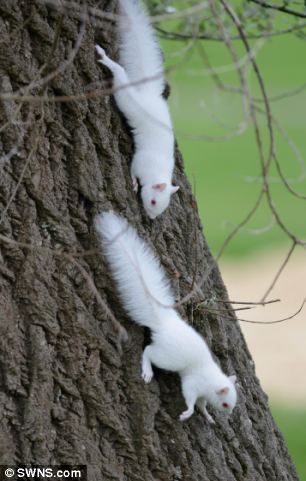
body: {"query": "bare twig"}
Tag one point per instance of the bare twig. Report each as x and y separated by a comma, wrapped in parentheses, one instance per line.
(95, 12)
(280, 270)
(279, 8)
(261, 303)
(278, 321)
(284, 95)
(171, 35)
(26, 164)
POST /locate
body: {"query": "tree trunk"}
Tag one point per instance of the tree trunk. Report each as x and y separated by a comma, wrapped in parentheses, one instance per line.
(69, 394)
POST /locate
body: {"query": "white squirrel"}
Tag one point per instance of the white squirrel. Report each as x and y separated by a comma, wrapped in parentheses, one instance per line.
(142, 103)
(145, 292)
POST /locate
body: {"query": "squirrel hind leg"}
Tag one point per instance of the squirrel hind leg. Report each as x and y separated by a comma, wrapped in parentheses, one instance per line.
(187, 414)
(146, 366)
(190, 400)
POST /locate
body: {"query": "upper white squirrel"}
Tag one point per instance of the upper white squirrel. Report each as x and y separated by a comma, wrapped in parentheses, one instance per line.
(145, 292)
(142, 103)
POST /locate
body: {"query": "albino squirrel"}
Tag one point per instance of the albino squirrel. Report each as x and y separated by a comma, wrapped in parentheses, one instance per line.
(142, 103)
(176, 346)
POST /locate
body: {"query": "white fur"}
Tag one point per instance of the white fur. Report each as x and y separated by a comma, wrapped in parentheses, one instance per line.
(176, 346)
(140, 68)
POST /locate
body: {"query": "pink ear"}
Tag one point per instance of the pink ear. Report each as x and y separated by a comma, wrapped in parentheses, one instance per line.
(160, 187)
(222, 391)
(174, 188)
(233, 379)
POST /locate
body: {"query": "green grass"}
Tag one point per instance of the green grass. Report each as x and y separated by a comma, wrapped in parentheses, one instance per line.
(224, 173)
(292, 423)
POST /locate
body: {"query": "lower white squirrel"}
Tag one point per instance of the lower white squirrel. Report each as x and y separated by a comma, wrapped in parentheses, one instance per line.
(138, 87)
(145, 292)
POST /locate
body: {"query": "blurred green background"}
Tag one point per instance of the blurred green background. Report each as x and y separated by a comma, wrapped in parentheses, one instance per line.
(225, 170)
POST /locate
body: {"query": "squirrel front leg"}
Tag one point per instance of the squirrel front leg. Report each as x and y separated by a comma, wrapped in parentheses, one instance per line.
(201, 403)
(134, 179)
(126, 98)
(120, 76)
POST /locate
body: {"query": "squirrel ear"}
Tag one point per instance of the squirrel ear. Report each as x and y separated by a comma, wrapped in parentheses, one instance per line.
(174, 188)
(233, 379)
(160, 187)
(222, 391)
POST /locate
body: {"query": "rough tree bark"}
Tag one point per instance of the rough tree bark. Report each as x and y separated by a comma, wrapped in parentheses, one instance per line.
(68, 394)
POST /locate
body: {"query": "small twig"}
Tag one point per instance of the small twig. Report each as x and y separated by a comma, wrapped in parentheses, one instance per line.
(280, 270)
(279, 8)
(75, 98)
(278, 320)
(284, 95)
(196, 261)
(95, 12)
(24, 169)
(212, 309)
(261, 303)
(170, 35)
(241, 224)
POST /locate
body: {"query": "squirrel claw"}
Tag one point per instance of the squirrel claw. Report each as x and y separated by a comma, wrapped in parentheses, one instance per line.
(101, 52)
(147, 377)
(210, 419)
(134, 184)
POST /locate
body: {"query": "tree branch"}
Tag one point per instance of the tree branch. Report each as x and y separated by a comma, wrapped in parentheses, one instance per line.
(279, 8)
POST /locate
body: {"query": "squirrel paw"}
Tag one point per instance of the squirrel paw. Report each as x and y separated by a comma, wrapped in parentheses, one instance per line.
(210, 419)
(206, 414)
(147, 376)
(135, 184)
(101, 52)
(185, 415)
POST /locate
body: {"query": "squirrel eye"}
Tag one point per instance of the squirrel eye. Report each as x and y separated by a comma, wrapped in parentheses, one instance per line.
(153, 202)
(225, 405)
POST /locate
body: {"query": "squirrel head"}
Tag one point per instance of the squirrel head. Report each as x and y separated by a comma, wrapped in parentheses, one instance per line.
(156, 198)
(224, 398)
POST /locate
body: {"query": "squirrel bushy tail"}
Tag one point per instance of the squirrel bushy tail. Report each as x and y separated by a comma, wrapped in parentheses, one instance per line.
(141, 281)
(139, 52)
